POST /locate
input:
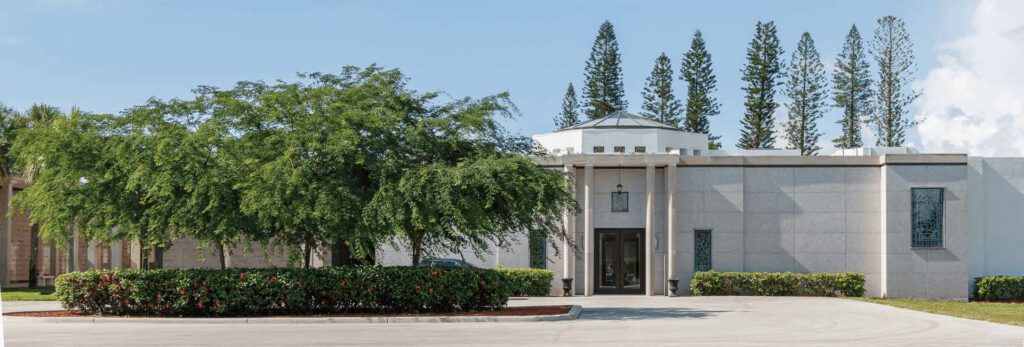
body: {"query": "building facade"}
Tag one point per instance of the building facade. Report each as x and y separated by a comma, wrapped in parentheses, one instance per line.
(661, 206)
(657, 204)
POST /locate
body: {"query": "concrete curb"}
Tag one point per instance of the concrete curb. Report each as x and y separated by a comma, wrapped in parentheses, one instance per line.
(573, 313)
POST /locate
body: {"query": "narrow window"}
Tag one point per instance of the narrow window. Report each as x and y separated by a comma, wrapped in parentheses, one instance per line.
(620, 149)
(701, 250)
(598, 149)
(538, 251)
(639, 149)
(926, 205)
(682, 151)
(696, 152)
(620, 201)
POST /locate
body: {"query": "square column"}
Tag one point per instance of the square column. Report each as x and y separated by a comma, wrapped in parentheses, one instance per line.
(588, 229)
(671, 171)
(569, 223)
(649, 233)
(116, 253)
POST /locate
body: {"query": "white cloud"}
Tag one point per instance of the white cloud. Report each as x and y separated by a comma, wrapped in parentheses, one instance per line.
(973, 101)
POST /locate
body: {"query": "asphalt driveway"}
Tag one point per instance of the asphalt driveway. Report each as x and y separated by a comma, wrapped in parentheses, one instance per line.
(606, 320)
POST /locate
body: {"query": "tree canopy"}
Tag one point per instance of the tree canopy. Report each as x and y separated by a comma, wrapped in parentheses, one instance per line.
(354, 156)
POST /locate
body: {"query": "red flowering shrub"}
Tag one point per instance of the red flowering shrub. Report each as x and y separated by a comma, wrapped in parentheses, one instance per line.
(236, 292)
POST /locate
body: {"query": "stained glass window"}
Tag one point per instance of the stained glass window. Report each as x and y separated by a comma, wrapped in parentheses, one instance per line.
(701, 250)
(926, 205)
(620, 201)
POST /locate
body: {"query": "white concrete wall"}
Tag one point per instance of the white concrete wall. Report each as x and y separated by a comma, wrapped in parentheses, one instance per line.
(655, 140)
(996, 216)
(799, 219)
(925, 272)
(515, 256)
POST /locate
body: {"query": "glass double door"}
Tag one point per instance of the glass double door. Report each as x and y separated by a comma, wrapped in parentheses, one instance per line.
(620, 261)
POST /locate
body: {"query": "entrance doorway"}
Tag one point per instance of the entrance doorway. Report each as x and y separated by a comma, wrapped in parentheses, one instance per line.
(619, 268)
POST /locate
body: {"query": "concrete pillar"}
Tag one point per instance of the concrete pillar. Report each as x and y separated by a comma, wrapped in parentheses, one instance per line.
(569, 222)
(649, 233)
(92, 255)
(73, 255)
(116, 251)
(135, 257)
(883, 229)
(671, 171)
(588, 229)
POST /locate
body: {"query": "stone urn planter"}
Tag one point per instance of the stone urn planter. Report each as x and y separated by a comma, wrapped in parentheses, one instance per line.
(566, 287)
(673, 285)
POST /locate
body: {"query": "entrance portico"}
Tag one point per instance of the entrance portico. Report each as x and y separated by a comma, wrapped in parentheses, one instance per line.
(650, 211)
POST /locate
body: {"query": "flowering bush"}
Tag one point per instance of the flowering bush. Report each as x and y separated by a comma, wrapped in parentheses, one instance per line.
(777, 284)
(234, 292)
(528, 282)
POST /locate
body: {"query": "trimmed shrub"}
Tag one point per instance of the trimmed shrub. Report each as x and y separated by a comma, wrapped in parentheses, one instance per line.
(528, 282)
(777, 284)
(999, 288)
(234, 292)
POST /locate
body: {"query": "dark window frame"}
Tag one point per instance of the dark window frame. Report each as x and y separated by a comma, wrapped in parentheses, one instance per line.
(619, 149)
(698, 263)
(919, 218)
(598, 149)
(639, 149)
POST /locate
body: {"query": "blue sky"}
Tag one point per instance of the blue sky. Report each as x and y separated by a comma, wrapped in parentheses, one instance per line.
(105, 56)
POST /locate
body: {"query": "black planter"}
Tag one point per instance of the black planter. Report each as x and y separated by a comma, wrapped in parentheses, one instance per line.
(566, 287)
(673, 285)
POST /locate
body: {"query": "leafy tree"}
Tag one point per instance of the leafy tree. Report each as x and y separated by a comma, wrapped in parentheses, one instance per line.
(894, 54)
(604, 92)
(660, 103)
(761, 72)
(303, 177)
(450, 177)
(851, 90)
(570, 114)
(701, 82)
(82, 172)
(806, 90)
(192, 171)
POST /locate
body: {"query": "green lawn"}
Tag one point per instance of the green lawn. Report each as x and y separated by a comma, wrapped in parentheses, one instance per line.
(27, 294)
(1005, 313)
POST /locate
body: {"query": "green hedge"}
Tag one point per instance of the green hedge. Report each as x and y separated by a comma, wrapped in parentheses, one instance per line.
(777, 284)
(999, 288)
(233, 292)
(528, 282)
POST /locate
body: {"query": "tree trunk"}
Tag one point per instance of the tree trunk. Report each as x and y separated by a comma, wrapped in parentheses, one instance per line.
(417, 246)
(223, 256)
(143, 257)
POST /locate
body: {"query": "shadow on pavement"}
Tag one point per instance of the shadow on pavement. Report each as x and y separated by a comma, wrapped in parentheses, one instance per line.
(641, 313)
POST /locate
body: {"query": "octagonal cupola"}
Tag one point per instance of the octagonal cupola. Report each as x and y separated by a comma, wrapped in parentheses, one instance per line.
(623, 133)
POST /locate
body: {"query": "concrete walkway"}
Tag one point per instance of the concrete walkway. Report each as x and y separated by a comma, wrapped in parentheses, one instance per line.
(606, 320)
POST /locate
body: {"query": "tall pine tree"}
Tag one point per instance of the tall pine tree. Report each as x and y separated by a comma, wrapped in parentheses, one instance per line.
(570, 114)
(761, 72)
(894, 55)
(700, 83)
(806, 91)
(604, 92)
(851, 90)
(660, 103)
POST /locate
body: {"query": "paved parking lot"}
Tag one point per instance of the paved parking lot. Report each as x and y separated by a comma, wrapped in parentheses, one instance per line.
(606, 320)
